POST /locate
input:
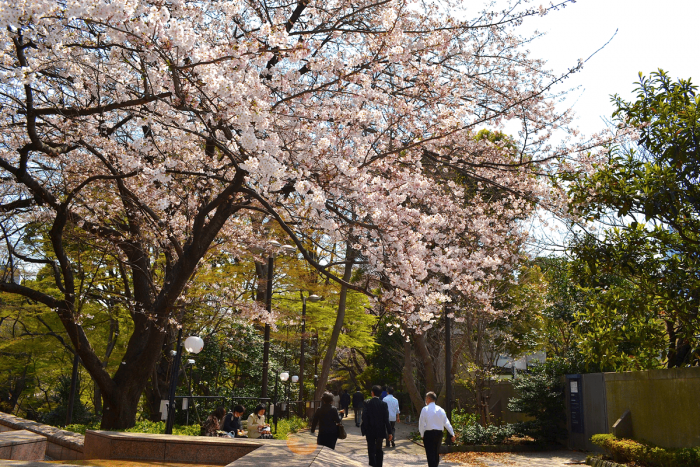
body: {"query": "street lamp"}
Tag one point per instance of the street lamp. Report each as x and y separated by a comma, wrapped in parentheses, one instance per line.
(284, 376)
(186, 401)
(193, 344)
(312, 298)
(294, 380)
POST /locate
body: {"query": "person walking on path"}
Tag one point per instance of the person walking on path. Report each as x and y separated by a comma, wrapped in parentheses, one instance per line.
(393, 405)
(345, 402)
(432, 421)
(376, 427)
(336, 400)
(358, 403)
(326, 418)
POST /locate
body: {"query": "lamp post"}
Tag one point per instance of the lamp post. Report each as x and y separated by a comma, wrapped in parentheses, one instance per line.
(312, 298)
(189, 363)
(193, 344)
(284, 376)
(268, 307)
(295, 379)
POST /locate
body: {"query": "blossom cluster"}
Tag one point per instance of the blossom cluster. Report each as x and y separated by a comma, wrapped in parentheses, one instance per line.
(170, 124)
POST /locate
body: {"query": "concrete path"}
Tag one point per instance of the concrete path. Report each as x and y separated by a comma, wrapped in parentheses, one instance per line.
(532, 459)
(407, 453)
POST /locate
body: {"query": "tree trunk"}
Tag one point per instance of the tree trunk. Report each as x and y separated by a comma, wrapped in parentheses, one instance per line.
(330, 352)
(158, 386)
(121, 407)
(421, 343)
(408, 379)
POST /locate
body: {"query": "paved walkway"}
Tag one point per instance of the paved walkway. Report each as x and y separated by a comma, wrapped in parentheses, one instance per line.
(407, 453)
(533, 459)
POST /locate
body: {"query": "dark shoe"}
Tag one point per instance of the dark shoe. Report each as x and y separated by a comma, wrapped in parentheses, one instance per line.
(393, 444)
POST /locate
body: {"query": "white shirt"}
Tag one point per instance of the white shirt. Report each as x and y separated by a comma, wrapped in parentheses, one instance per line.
(393, 404)
(433, 417)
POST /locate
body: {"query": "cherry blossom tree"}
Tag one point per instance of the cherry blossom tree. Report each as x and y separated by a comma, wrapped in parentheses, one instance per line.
(159, 129)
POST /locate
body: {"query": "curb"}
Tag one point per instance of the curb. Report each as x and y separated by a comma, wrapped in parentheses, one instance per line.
(447, 448)
(598, 462)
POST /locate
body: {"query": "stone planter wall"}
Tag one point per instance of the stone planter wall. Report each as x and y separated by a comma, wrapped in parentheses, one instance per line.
(61, 444)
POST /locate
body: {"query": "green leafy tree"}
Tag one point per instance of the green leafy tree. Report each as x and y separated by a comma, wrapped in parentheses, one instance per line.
(651, 192)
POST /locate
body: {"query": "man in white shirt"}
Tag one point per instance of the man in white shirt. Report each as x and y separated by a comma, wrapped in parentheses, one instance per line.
(393, 404)
(433, 420)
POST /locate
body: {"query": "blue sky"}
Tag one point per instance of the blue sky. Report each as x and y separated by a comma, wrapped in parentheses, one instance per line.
(651, 34)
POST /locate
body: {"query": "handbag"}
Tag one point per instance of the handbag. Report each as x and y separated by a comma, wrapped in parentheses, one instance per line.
(342, 434)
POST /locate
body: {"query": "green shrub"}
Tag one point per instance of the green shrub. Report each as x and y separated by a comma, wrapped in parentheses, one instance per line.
(646, 454)
(82, 428)
(144, 426)
(469, 431)
(462, 419)
(286, 427)
(540, 395)
(490, 434)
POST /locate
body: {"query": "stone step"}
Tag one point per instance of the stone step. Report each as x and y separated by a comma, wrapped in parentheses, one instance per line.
(22, 445)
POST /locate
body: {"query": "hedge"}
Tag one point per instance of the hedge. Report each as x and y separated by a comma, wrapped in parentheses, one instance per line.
(645, 454)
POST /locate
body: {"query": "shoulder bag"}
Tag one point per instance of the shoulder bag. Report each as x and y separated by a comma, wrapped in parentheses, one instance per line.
(342, 434)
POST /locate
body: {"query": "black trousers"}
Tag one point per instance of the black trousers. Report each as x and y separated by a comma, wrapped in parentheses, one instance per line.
(358, 416)
(374, 451)
(346, 409)
(327, 439)
(393, 434)
(432, 439)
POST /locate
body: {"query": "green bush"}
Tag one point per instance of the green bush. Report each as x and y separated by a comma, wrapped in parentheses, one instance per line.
(490, 434)
(469, 431)
(541, 395)
(646, 454)
(144, 426)
(286, 427)
(82, 428)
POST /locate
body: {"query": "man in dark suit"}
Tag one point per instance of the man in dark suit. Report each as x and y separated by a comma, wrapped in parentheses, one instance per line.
(376, 426)
(358, 403)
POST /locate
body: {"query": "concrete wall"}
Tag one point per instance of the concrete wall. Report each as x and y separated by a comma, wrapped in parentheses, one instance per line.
(499, 393)
(62, 445)
(664, 404)
(593, 414)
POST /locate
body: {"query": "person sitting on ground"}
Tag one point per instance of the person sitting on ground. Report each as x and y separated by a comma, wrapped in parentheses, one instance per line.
(232, 423)
(326, 418)
(211, 424)
(257, 428)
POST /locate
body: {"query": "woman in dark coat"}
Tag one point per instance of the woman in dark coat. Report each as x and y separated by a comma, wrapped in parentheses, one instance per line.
(326, 418)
